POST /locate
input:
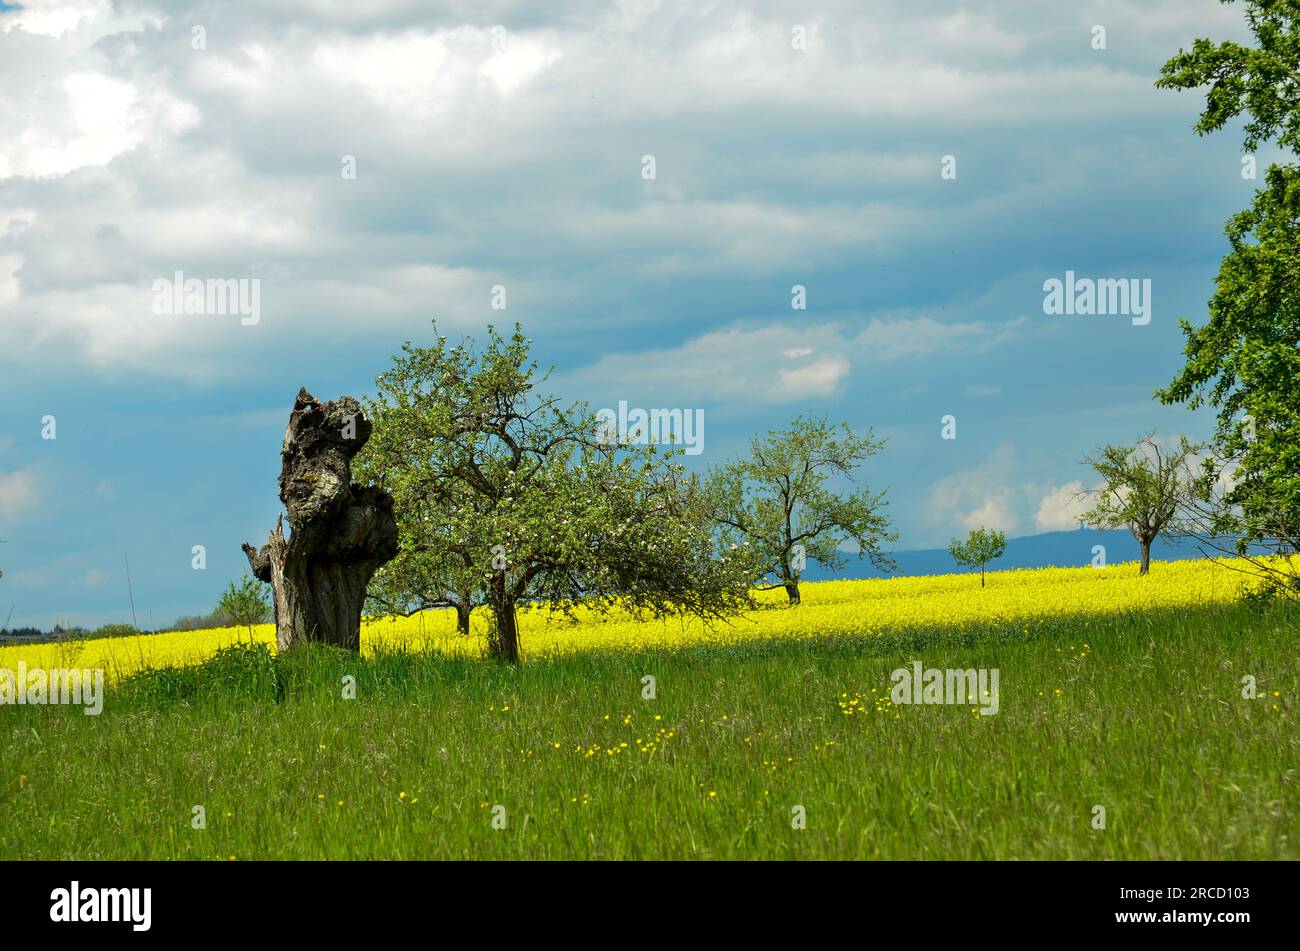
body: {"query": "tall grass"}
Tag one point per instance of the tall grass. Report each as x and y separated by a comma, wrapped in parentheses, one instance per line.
(1140, 713)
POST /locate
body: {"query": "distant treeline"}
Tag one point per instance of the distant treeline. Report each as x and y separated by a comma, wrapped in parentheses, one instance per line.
(222, 616)
(29, 635)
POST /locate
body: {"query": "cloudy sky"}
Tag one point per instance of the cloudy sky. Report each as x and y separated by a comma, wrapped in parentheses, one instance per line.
(504, 144)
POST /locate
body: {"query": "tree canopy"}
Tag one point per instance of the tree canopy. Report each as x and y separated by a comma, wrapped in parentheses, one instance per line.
(244, 603)
(504, 488)
(1144, 488)
(1245, 360)
(981, 546)
(777, 508)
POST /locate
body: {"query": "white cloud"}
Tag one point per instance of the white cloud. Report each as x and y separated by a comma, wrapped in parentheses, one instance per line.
(736, 365)
(85, 119)
(18, 494)
(1060, 508)
(820, 378)
(980, 496)
(519, 158)
(755, 364)
(93, 578)
(54, 18)
(994, 512)
(518, 63)
(116, 328)
(9, 286)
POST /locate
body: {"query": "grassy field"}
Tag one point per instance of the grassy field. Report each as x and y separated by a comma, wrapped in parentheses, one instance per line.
(1106, 698)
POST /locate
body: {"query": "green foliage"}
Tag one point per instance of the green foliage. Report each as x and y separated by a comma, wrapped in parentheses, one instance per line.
(1262, 82)
(115, 630)
(981, 546)
(1244, 360)
(1146, 488)
(244, 603)
(778, 499)
(504, 493)
(197, 622)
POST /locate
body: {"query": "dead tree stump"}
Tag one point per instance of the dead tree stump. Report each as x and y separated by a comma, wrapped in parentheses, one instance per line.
(340, 533)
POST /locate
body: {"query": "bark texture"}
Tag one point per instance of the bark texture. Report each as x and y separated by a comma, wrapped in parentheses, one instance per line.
(340, 533)
(504, 636)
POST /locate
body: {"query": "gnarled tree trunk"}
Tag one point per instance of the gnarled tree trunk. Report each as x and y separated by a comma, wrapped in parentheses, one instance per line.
(340, 533)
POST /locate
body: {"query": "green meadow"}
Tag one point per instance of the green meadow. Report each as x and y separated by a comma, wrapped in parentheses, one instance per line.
(770, 750)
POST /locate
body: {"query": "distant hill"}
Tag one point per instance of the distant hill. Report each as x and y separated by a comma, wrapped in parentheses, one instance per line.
(1059, 549)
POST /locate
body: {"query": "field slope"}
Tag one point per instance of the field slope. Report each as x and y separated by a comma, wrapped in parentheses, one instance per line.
(1115, 691)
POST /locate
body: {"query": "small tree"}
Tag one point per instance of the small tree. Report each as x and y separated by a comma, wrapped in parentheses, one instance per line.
(1144, 488)
(244, 603)
(115, 630)
(981, 546)
(775, 505)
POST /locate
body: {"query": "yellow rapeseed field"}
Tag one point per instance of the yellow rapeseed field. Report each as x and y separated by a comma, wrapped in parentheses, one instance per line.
(1017, 599)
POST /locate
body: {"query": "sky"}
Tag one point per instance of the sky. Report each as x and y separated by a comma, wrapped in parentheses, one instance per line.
(646, 182)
